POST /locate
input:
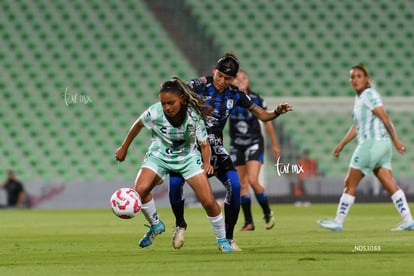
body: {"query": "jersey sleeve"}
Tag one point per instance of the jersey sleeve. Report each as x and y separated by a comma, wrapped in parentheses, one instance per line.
(372, 99)
(244, 100)
(197, 83)
(147, 117)
(262, 102)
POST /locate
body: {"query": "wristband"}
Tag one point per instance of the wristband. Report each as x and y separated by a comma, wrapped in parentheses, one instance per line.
(276, 113)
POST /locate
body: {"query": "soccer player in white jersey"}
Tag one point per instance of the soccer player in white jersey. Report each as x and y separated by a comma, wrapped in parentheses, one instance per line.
(177, 125)
(375, 133)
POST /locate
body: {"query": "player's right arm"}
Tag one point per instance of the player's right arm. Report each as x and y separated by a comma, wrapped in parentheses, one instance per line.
(348, 138)
(121, 152)
(267, 115)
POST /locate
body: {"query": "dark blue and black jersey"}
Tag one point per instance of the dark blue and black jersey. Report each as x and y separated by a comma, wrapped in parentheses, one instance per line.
(223, 104)
(244, 126)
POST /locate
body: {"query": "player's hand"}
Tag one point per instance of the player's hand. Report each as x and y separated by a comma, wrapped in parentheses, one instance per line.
(284, 108)
(399, 146)
(208, 169)
(120, 154)
(337, 150)
(276, 151)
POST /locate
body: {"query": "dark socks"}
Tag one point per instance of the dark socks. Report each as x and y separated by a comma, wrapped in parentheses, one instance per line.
(178, 210)
(262, 199)
(231, 182)
(247, 211)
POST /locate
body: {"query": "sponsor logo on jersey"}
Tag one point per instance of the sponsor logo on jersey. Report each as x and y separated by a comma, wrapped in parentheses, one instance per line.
(230, 103)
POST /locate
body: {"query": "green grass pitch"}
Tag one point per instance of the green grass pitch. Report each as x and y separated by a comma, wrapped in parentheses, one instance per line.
(95, 242)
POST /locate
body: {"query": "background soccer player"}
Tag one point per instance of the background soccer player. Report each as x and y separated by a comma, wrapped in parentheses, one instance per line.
(375, 133)
(247, 153)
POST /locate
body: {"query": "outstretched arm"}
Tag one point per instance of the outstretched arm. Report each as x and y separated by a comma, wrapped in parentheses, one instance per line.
(121, 152)
(268, 115)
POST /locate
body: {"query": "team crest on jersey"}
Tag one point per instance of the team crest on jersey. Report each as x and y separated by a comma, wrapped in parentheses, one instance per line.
(242, 127)
(147, 114)
(229, 103)
(210, 121)
(190, 128)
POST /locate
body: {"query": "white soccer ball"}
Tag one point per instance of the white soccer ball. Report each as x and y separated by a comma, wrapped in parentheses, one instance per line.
(126, 203)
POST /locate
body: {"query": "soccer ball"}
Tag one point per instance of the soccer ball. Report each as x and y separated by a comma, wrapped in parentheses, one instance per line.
(126, 203)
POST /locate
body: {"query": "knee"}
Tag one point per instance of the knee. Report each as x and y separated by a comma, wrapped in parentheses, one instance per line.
(254, 182)
(251, 180)
(210, 204)
(235, 181)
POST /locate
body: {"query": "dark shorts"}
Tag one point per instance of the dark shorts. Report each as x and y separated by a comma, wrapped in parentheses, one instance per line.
(221, 160)
(241, 154)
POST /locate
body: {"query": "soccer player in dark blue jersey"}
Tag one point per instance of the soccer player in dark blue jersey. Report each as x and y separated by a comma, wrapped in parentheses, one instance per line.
(247, 153)
(217, 91)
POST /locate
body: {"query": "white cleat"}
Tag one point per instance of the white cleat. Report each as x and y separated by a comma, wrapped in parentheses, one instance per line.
(178, 237)
(330, 224)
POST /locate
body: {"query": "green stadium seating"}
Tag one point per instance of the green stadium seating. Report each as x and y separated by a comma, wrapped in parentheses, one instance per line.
(306, 48)
(117, 53)
(315, 41)
(114, 52)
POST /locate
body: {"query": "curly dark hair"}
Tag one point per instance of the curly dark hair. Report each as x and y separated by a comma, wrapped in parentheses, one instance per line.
(176, 85)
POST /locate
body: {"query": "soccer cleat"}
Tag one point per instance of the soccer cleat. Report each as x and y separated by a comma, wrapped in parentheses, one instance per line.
(404, 226)
(153, 231)
(247, 227)
(330, 224)
(178, 237)
(234, 245)
(224, 245)
(269, 220)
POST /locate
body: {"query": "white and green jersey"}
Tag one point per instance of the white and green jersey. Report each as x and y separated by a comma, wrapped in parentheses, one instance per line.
(173, 144)
(368, 126)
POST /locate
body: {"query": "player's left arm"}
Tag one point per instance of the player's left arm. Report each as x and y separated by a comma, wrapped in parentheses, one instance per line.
(268, 115)
(389, 126)
(206, 156)
(272, 136)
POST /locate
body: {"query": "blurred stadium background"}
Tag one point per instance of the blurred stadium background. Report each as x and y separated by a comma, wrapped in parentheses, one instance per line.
(76, 74)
